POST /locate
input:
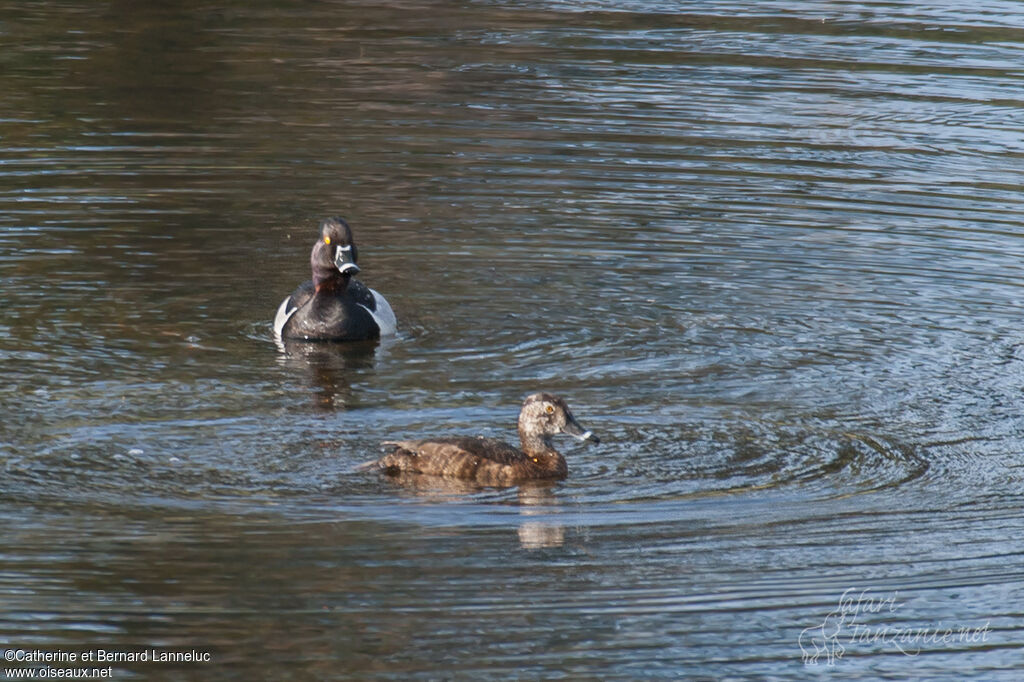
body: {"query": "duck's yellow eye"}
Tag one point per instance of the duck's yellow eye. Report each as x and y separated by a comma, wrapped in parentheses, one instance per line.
(550, 409)
(327, 240)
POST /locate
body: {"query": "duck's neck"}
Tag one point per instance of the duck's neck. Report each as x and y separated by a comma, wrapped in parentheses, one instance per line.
(539, 449)
(327, 282)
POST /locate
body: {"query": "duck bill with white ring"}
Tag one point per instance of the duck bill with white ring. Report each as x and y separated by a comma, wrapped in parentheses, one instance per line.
(345, 260)
(573, 428)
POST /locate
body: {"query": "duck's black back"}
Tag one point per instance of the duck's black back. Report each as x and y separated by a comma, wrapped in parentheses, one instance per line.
(341, 317)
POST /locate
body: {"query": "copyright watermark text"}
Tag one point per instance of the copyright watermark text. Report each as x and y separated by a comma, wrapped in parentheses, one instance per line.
(859, 619)
(87, 664)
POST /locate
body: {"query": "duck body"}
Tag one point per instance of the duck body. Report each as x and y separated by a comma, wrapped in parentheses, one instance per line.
(358, 313)
(488, 461)
(333, 305)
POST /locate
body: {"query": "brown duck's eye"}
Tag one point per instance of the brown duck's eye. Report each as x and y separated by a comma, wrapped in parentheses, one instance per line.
(327, 240)
(550, 409)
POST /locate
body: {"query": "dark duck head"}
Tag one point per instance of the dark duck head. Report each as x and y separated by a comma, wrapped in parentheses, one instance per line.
(491, 462)
(333, 305)
(333, 258)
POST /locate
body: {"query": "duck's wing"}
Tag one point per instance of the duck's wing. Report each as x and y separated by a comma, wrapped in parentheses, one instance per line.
(493, 449)
(456, 456)
(376, 305)
(299, 298)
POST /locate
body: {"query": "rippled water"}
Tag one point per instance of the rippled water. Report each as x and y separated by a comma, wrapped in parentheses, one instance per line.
(770, 252)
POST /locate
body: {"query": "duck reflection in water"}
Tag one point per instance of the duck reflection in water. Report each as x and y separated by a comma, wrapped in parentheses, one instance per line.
(535, 498)
(328, 366)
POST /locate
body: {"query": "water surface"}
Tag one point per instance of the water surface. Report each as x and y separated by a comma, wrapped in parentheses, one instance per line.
(771, 253)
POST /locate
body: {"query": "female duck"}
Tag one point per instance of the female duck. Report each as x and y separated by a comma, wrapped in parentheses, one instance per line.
(333, 306)
(492, 462)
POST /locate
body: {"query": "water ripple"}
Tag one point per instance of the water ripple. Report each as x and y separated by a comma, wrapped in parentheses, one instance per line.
(771, 254)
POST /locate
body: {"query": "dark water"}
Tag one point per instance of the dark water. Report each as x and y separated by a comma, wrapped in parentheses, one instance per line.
(771, 253)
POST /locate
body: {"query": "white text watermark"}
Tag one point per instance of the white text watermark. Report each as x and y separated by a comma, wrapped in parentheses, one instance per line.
(859, 619)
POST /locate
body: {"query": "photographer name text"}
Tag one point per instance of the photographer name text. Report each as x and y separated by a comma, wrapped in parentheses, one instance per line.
(105, 656)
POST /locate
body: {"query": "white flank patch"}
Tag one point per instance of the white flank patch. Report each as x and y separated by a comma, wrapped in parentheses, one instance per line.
(282, 317)
(383, 315)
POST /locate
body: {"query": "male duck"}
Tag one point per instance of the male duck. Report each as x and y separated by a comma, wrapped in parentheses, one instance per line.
(488, 461)
(333, 306)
